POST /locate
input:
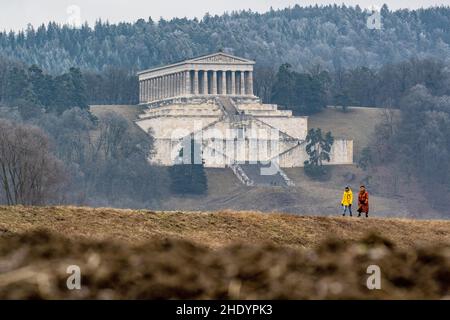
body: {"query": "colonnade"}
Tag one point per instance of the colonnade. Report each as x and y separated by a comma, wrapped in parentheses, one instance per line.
(196, 82)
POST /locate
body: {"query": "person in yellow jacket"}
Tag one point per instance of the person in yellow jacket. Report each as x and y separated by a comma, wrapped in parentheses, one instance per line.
(347, 199)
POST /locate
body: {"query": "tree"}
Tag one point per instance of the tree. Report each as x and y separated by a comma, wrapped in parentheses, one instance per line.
(284, 88)
(303, 93)
(70, 91)
(318, 148)
(264, 81)
(30, 174)
(343, 100)
(188, 176)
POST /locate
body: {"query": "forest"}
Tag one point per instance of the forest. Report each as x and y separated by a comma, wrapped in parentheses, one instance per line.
(334, 37)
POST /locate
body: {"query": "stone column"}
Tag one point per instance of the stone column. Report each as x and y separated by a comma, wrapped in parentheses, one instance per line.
(146, 91)
(187, 82)
(233, 82)
(214, 83)
(195, 82)
(250, 82)
(181, 84)
(140, 92)
(174, 85)
(166, 86)
(205, 82)
(150, 90)
(153, 89)
(242, 78)
(175, 91)
(143, 90)
(224, 82)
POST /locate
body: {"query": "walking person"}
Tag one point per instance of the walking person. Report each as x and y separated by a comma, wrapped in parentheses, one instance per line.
(363, 201)
(347, 200)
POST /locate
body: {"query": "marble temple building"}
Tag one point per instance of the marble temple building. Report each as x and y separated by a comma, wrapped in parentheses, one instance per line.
(204, 110)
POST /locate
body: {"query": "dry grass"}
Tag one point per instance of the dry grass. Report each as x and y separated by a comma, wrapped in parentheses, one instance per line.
(217, 229)
(129, 112)
(357, 124)
(125, 254)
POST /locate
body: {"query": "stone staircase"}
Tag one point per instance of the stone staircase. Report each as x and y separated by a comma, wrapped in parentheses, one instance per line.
(251, 174)
(228, 106)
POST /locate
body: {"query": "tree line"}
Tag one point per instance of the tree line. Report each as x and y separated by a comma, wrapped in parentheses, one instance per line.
(34, 91)
(309, 92)
(335, 37)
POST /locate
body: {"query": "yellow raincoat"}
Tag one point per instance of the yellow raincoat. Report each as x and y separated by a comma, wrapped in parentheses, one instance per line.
(347, 198)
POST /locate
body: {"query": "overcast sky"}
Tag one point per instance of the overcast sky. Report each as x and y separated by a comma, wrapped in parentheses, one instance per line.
(16, 14)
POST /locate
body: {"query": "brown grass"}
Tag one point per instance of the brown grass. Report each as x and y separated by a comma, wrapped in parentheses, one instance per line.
(125, 254)
(217, 229)
(357, 124)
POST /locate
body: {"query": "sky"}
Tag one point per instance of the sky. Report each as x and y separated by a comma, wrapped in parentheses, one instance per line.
(17, 14)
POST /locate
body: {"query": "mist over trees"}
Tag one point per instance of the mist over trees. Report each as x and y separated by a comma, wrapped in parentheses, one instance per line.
(335, 37)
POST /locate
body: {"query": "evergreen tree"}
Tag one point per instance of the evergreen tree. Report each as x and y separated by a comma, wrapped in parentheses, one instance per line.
(303, 93)
(188, 175)
(318, 148)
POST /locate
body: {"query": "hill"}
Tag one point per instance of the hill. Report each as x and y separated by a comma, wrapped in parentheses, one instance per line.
(308, 196)
(221, 255)
(216, 229)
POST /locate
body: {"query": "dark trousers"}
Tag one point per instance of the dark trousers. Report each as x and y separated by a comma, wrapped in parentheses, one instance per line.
(344, 209)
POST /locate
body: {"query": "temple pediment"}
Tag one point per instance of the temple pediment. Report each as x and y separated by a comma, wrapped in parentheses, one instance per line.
(221, 58)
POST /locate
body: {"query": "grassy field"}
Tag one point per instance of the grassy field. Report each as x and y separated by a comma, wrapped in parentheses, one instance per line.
(125, 254)
(217, 229)
(129, 112)
(357, 124)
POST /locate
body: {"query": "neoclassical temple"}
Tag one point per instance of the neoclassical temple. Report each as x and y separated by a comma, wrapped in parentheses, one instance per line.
(209, 100)
(214, 74)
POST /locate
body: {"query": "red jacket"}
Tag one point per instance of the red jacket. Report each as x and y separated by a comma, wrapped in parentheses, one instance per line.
(363, 201)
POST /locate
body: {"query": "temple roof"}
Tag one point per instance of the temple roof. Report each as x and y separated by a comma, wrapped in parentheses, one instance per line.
(214, 58)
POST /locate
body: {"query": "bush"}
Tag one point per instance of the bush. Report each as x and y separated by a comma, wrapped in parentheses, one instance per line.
(317, 172)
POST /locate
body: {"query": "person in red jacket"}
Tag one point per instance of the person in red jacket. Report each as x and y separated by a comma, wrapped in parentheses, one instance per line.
(363, 201)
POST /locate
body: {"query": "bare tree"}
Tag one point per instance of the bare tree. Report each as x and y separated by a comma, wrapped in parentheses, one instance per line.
(118, 139)
(29, 173)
